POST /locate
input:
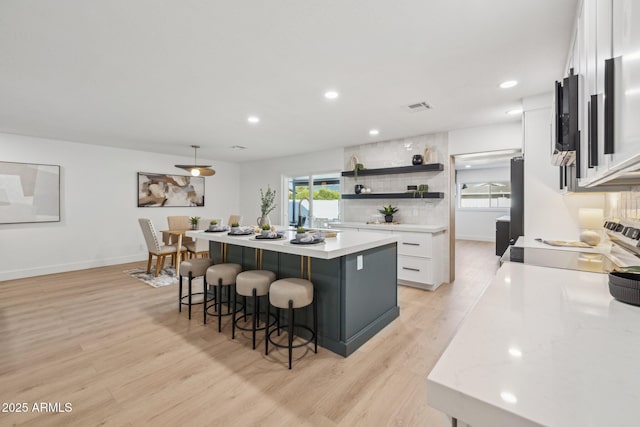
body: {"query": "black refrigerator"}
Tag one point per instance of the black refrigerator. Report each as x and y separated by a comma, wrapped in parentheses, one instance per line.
(516, 228)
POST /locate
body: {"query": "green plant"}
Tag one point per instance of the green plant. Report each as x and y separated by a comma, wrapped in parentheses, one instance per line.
(213, 222)
(194, 220)
(301, 230)
(388, 210)
(235, 224)
(267, 201)
(266, 227)
(356, 168)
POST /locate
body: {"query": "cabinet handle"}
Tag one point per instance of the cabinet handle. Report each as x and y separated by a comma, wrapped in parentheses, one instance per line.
(593, 131)
(609, 91)
(409, 268)
(411, 244)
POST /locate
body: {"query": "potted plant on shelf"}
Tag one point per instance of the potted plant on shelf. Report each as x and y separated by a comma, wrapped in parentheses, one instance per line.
(388, 212)
(300, 233)
(194, 222)
(267, 205)
(266, 229)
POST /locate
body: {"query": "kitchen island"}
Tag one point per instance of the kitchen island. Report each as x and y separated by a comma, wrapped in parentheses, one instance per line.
(354, 276)
(543, 346)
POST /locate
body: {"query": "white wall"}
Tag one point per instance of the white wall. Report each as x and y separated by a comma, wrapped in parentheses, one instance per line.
(548, 213)
(263, 173)
(98, 206)
(504, 136)
(480, 224)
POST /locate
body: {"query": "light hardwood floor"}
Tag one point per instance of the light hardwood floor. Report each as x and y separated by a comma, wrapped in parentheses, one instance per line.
(122, 355)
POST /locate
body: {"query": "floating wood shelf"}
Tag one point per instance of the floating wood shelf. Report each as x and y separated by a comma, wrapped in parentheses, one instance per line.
(430, 167)
(416, 196)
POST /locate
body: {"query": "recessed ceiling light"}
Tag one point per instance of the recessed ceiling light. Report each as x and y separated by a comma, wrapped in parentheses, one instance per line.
(253, 119)
(508, 84)
(374, 132)
(467, 166)
(331, 94)
(238, 147)
(515, 112)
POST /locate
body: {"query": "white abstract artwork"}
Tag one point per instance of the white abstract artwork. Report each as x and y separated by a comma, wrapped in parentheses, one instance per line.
(29, 193)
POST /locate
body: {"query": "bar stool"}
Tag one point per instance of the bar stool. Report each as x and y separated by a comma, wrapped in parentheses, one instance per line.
(253, 283)
(193, 268)
(220, 275)
(291, 294)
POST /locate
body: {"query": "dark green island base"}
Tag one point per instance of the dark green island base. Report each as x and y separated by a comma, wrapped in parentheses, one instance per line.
(353, 305)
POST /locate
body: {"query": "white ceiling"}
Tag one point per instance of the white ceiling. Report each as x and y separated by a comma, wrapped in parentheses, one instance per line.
(162, 75)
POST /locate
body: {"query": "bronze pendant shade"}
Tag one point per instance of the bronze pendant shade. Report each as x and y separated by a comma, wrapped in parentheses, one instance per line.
(195, 169)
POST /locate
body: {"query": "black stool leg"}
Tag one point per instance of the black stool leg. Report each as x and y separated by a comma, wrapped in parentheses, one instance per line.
(205, 291)
(233, 318)
(315, 324)
(219, 305)
(190, 279)
(255, 316)
(278, 319)
(180, 296)
(290, 332)
(266, 332)
(244, 308)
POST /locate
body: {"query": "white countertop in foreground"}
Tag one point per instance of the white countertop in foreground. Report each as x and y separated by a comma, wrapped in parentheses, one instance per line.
(345, 243)
(543, 346)
(392, 227)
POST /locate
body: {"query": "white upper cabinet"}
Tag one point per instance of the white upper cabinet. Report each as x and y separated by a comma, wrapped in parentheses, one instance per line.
(626, 47)
(609, 29)
(603, 52)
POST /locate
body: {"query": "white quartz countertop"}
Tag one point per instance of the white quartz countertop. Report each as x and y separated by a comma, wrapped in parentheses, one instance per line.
(345, 243)
(619, 256)
(542, 346)
(393, 227)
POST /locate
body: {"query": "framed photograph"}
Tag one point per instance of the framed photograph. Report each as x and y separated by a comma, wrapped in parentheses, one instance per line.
(161, 190)
(29, 193)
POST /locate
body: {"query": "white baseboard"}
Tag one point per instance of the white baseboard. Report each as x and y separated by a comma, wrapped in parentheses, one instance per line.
(62, 268)
(478, 238)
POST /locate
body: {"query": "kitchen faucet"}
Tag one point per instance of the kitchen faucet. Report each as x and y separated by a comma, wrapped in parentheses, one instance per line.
(300, 220)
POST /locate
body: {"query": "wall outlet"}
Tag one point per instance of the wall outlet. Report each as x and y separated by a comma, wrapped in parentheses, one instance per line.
(359, 262)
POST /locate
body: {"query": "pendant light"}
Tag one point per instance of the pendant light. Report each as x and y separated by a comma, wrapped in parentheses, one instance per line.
(195, 169)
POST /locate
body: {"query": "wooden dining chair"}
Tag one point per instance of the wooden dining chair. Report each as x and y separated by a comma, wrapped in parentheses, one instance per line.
(154, 247)
(179, 223)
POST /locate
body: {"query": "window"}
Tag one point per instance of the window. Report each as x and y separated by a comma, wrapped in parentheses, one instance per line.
(316, 208)
(484, 195)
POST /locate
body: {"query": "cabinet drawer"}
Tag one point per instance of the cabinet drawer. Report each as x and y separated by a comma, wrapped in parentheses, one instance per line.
(415, 244)
(415, 269)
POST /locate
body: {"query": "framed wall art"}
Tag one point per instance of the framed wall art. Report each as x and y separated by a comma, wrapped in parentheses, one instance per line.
(29, 193)
(161, 190)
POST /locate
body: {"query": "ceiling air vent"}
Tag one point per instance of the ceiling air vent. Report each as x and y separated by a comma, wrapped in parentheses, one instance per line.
(420, 106)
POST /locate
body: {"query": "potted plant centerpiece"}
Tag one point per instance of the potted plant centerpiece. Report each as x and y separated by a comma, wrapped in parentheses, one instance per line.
(235, 227)
(388, 212)
(213, 222)
(267, 205)
(266, 229)
(194, 222)
(301, 233)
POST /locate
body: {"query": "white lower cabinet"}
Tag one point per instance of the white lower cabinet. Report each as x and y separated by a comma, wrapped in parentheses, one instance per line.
(419, 255)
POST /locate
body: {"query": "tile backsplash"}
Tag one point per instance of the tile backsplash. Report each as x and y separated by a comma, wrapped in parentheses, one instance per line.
(392, 154)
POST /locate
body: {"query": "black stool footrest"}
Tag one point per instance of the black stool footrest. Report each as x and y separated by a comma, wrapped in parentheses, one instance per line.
(184, 300)
(229, 310)
(272, 318)
(285, 328)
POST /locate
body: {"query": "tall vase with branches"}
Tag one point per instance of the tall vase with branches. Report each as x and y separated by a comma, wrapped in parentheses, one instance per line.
(267, 205)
